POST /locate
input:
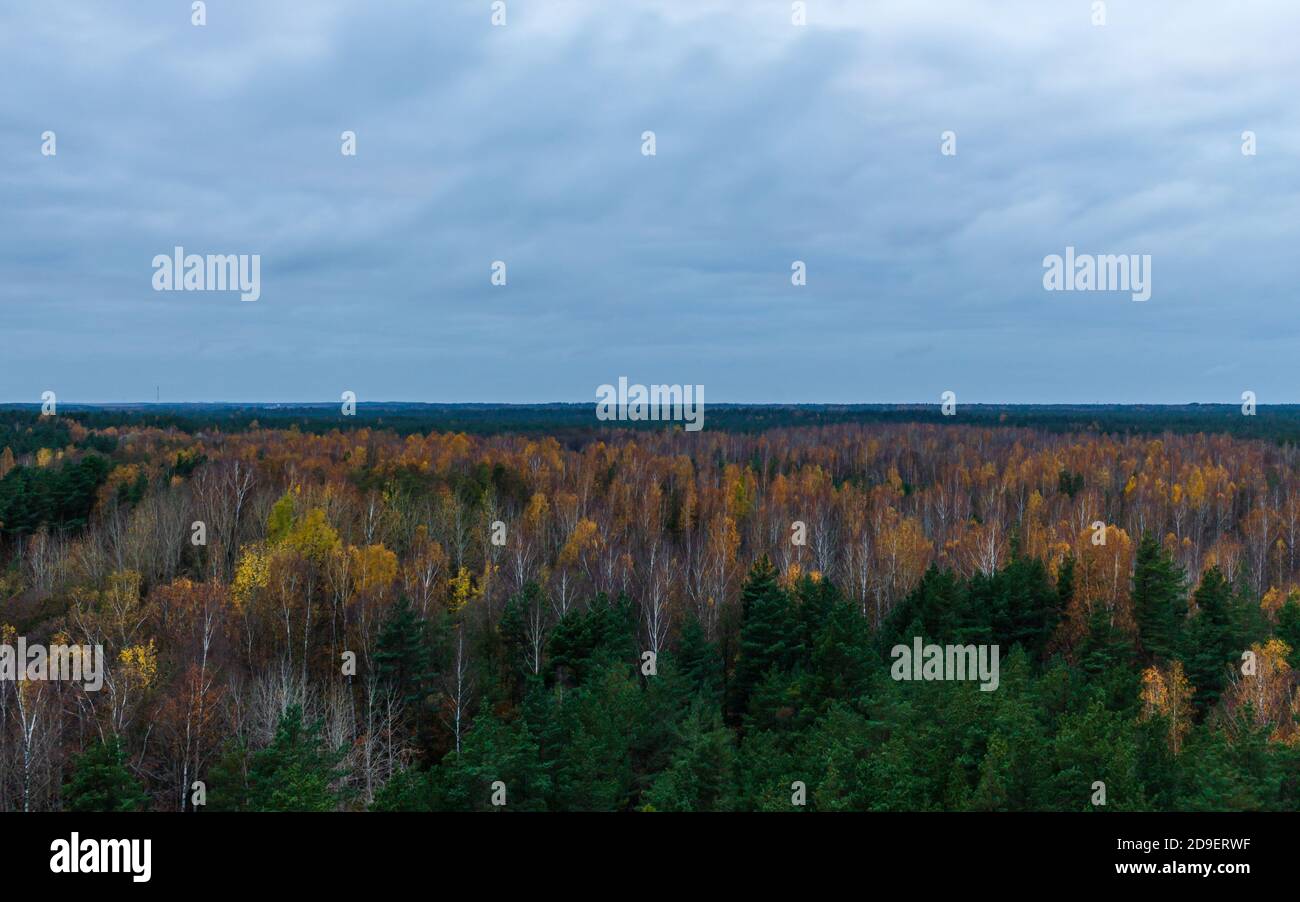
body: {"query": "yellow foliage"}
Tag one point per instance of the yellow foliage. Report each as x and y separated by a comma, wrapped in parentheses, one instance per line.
(792, 575)
(536, 512)
(1266, 689)
(585, 535)
(1275, 652)
(1196, 487)
(1272, 601)
(895, 481)
(461, 590)
(375, 568)
(123, 589)
(313, 537)
(253, 572)
(1168, 694)
(124, 475)
(140, 663)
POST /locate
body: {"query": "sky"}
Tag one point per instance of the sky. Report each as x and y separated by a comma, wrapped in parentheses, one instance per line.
(774, 142)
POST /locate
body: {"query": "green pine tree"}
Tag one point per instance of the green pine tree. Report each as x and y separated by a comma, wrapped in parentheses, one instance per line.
(769, 633)
(101, 782)
(1209, 643)
(296, 772)
(1159, 604)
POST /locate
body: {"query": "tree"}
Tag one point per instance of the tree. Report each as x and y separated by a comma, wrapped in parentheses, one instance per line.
(700, 662)
(1167, 694)
(280, 522)
(405, 663)
(842, 661)
(296, 772)
(101, 782)
(1101, 584)
(524, 628)
(769, 634)
(1093, 745)
(1288, 629)
(583, 640)
(495, 750)
(699, 777)
(1209, 645)
(1158, 601)
(32, 497)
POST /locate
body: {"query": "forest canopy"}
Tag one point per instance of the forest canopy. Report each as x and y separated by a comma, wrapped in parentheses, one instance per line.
(299, 613)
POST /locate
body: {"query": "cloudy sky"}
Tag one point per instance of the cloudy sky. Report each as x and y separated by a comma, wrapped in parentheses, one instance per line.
(775, 143)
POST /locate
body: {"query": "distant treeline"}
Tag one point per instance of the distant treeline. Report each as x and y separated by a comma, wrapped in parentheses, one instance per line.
(1278, 423)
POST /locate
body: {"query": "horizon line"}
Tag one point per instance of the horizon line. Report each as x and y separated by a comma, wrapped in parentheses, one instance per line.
(907, 404)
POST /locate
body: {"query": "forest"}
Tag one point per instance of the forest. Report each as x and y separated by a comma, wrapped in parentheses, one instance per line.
(521, 609)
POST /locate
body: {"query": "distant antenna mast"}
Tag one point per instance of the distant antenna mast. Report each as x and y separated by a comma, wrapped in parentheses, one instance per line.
(157, 394)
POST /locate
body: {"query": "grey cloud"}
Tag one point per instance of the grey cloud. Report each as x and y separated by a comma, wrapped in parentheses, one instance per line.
(522, 144)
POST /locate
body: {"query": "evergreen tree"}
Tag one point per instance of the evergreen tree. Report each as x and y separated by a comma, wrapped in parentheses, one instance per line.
(521, 609)
(1065, 584)
(1107, 657)
(402, 659)
(936, 610)
(1014, 606)
(1096, 744)
(842, 659)
(1209, 644)
(1288, 629)
(584, 640)
(101, 782)
(494, 750)
(700, 662)
(406, 662)
(699, 776)
(296, 772)
(769, 632)
(815, 600)
(1158, 599)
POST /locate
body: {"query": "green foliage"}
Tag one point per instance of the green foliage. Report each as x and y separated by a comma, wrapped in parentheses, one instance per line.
(812, 703)
(1069, 483)
(296, 772)
(583, 640)
(101, 781)
(700, 662)
(1288, 629)
(280, 521)
(1158, 599)
(61, 498)
(1095, 745)
(27, 433)
(185, 464)
(701, 772)
(770, 634)
(522, 623)
(1210, 643)
(403, 658)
